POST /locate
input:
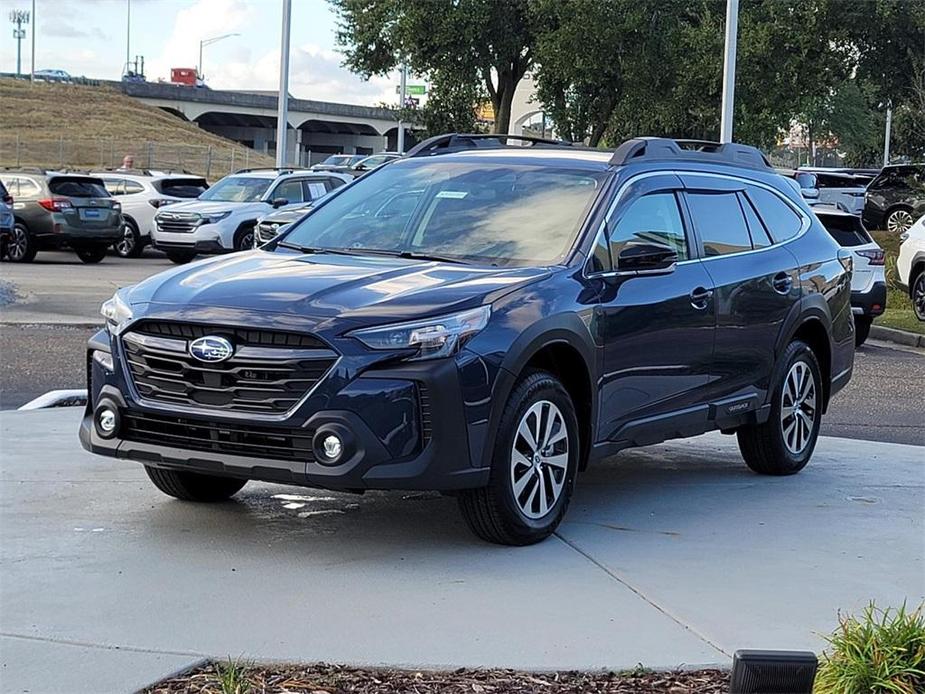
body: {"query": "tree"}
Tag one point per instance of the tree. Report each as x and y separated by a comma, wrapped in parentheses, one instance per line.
(487, 43)
(450, 106)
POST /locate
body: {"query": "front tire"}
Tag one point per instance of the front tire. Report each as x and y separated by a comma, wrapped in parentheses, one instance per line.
(91, 254)
(785, 443)
(191, 486)
(861, 329)
(533, 469)
(180, 257)
(899, 220)
(130, 245)
(917, 294)
(21, 247)
(244, 239)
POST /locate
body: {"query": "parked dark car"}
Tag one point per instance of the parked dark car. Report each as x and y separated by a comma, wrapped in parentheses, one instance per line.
(6, 219)
(373, 161)
(896, 198)
(55, 211)
(531, 310)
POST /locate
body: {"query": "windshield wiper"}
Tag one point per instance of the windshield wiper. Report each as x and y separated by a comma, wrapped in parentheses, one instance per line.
(410, 255)
(310, 250)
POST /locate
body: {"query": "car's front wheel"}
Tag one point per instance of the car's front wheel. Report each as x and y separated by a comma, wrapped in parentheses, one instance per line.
(534, 463)
(191, 486)
(244, 239)
(785, 442)
(90, 254)
(130, 245)
(899, 220)
(918, 296)
(861, 329)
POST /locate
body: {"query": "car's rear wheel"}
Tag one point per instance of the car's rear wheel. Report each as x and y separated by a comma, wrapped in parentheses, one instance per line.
(180, 257)
(533, 466)
(918, 296)
(90, 254)
(785, 442)
(130, 245)
(191, 486)
(899, 220)
(22, 247)
(861, 329)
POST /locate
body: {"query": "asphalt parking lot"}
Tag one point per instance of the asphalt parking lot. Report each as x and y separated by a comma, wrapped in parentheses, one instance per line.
(674, 554)
(50, 304)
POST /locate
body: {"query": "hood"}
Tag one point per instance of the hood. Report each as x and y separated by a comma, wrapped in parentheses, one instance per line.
(367, 289)
(287, 215)
(211, 207)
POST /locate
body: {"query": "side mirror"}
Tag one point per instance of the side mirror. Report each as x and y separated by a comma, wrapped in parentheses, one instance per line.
(646, 258)
(279, 202)
(359, 167)
(810, 193)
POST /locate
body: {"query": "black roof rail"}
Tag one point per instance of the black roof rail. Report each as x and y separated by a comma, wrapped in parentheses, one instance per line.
(25, 169)
(459, 142)
(278, 169)
(666, 149)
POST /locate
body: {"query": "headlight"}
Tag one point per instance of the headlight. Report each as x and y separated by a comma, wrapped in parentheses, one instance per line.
(214, 218)
(433, 338)
(117, 313)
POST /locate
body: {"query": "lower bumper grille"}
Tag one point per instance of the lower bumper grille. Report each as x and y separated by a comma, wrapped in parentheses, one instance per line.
(231, 439)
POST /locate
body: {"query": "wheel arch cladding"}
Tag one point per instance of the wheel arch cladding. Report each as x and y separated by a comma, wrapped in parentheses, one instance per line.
(813, 333)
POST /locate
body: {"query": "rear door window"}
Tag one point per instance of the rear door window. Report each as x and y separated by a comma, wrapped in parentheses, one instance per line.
(133, 187)
(720, 221)
(115, 186)
(22, 188)
(779, 218)
(315, 188)
(78, 187)
(182, 187)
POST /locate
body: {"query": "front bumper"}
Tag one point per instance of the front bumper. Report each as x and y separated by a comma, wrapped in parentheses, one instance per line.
(403, 428)
(205, 238)
(869, 303)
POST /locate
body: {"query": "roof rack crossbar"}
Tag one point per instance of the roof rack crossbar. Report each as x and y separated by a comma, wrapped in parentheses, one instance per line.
(280, 169)
(662, 149)
(457, 142)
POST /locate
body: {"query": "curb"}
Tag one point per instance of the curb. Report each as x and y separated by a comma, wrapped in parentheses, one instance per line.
(900, 337)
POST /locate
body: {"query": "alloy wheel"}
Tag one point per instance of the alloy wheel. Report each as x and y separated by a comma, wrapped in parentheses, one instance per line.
(539, 459)
(798, 407)
(126, 244)
(899, 221)
(18, 245)
(918, 297)
(247, 241)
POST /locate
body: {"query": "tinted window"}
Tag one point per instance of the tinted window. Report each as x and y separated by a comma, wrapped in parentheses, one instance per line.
(182, 187)
(781, 221)
(759, 234)
(846, 229)
(312, 189)
(720, 221)
(291, 190)
(652, 218)
(497, 212)
(78, 187)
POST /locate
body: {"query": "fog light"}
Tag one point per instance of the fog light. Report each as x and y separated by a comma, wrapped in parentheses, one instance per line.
(332, 447)
(107, 421)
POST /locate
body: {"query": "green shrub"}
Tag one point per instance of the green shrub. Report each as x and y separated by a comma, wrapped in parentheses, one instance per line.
(232, 677)
(881, 652)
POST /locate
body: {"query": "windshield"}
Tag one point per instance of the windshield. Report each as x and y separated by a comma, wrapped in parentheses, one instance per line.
(237, 189)
(495, 213)
(78, 187)
(341, 160)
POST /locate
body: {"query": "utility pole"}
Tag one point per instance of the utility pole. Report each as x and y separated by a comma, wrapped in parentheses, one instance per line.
(402, 96)
(282, 118)
(128, 35)
(209, 42)
(729, 70)
(32, 63)
(886, 135)
(19, 17)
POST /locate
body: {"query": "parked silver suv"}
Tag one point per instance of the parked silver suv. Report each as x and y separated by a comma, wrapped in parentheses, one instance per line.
(223, 218)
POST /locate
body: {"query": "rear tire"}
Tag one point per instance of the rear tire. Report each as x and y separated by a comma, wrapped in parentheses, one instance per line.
(861, 329)
(180, 257)
(91, 254)
(785, 443)
(22, 247)
(533, 469)
(917, 294)
(191, 486)
(130, 245)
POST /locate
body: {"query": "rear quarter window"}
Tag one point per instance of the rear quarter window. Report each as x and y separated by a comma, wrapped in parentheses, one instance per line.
(780, 219)
(78, 187)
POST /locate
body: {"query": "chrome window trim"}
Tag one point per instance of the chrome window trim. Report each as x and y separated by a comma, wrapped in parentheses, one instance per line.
(806, 221)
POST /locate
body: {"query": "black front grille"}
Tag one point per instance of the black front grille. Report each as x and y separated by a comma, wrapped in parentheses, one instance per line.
(257, 379)
(175, 223)
(241, 337)
(232, 439)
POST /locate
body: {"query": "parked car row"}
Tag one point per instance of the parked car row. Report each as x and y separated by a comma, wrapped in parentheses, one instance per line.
(355, 165)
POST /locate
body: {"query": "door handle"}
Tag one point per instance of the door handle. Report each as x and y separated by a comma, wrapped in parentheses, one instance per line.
(782, 283)
(700, 297)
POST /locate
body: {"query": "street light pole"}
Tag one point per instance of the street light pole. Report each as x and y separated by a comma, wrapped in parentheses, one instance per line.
(209, 42)
(19, 17)
(402, 97)
(886, 135)
(128, 35)
(32, 63)
(729, 70)
(282, 116)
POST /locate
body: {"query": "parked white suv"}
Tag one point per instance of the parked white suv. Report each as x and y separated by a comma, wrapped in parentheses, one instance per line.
(910, 266)
(142, 193)
(223, 218)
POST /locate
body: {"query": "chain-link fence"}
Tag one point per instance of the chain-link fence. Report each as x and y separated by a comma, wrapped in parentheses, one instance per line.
(210, 161)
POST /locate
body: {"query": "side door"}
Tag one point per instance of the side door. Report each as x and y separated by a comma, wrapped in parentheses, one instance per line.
(755, 279)
(656, 327)
(289, 190)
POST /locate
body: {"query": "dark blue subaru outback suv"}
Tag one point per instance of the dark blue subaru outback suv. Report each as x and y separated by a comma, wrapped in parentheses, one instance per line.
(485, 317)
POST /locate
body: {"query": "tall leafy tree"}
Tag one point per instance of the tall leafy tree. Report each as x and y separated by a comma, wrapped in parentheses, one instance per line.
(486, 43)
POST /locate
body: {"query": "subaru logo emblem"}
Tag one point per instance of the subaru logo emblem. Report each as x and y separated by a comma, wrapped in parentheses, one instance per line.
(211, 348)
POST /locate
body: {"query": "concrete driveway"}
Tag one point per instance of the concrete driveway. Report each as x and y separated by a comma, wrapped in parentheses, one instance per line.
(670, 555)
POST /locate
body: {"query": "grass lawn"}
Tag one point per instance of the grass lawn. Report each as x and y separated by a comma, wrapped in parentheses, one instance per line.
(898, 312)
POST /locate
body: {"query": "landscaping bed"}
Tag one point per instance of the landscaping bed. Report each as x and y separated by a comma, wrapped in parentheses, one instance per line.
(233, 678)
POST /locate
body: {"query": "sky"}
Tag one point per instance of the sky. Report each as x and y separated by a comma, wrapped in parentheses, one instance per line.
(88, 37)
